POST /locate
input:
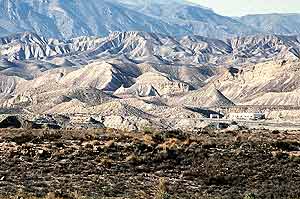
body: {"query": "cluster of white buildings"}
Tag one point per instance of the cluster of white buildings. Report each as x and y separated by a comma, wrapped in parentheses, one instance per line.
(241, 116)
(246, 116)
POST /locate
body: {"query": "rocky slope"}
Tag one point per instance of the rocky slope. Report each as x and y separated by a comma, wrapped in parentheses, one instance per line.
(44, 75)
(153, 84)
(286, 24)
(73, 18)
(66, 19)
(206, 97)
(268, 83)
(149, 47)
(192, 18)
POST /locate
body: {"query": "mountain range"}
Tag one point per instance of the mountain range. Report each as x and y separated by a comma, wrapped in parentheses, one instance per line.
(136, 64)
(67, 19)
(135, 79)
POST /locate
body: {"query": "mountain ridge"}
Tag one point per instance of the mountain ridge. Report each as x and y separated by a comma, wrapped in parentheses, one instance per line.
(135, 79)
(68, 19)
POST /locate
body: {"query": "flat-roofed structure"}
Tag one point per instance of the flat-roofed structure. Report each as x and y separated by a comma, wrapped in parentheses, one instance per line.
(246, 116)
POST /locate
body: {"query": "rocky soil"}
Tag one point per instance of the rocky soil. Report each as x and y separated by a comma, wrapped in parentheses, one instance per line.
(115, 164)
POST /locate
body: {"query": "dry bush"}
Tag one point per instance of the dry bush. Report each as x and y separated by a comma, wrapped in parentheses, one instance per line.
(162, 192)
(169, 144)
(147, 139)
(250, 196)
(51, 196)
(133, 159)
(20, 194)
(109, 144)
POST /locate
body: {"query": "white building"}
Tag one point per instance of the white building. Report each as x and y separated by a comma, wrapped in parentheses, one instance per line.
(214, 116)
(246, 116)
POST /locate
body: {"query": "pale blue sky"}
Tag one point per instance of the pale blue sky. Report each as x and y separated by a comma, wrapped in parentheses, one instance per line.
(244, 7)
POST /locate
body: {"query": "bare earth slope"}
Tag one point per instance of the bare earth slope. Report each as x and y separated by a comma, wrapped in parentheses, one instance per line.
(44, 75)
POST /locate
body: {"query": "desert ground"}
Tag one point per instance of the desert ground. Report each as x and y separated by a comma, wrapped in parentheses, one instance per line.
(108, 163)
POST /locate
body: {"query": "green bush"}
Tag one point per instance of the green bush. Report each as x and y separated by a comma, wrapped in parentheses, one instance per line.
(250, 196)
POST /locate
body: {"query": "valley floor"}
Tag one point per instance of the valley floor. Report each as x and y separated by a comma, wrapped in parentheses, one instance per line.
(116, 164)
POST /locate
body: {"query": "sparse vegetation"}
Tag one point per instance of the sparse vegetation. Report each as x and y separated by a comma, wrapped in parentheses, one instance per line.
(250, 196)
(117, 164)
(162, 192)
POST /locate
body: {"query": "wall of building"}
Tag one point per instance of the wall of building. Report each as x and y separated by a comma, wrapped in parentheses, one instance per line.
(246, 116)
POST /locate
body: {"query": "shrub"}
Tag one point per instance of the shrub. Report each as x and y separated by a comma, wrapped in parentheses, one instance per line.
(250, 196)
(287, 145)
(162, 192)
(148, 129)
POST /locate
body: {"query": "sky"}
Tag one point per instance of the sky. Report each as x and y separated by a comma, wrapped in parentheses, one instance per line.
(244, 7)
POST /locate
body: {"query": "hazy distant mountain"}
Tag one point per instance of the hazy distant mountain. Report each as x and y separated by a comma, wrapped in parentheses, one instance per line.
(66, 19)
(72, 18)
(285, 24)
(192, 18)
(155, 4)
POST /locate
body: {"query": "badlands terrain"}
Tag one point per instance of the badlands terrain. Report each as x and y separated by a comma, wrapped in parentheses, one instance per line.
(114, 99)
(140, 80)
(120, 107)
